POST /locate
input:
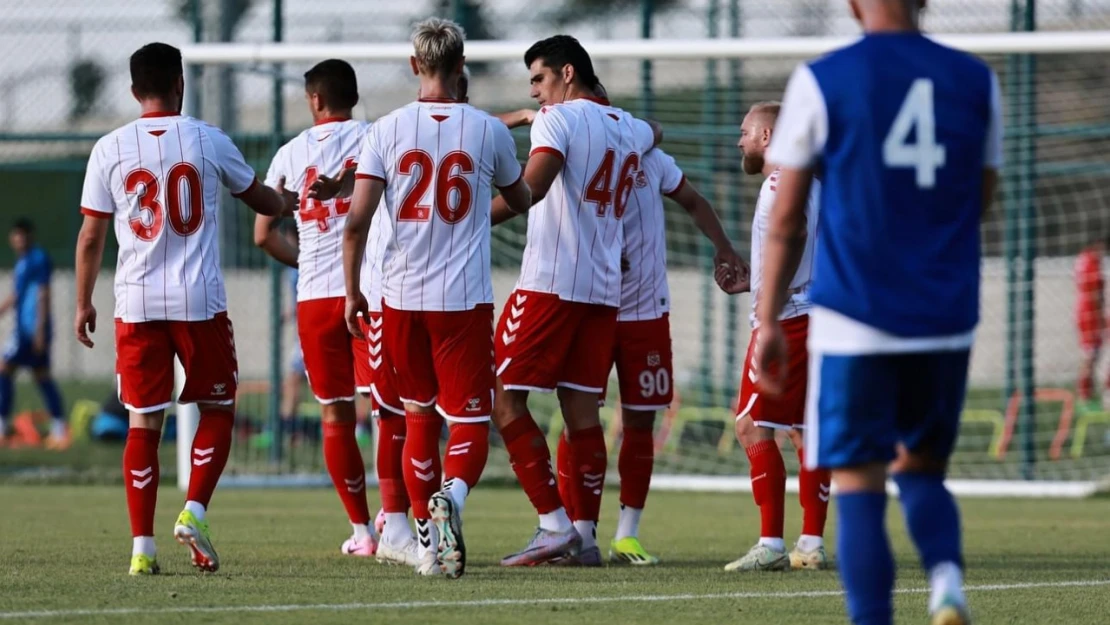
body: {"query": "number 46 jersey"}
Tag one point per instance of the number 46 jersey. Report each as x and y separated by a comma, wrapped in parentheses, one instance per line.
(899, 129)
(159, 179)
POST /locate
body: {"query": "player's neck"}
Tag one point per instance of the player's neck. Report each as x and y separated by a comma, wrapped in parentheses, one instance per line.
(575, 92)
(435, 89)
(327, 116)
(768, 169)
(881, 23)
(159, 107)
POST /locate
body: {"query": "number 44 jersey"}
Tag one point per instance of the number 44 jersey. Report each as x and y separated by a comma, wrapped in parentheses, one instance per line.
(159, 179)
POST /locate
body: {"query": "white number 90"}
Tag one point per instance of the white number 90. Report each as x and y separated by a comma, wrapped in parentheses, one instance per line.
(655, 383)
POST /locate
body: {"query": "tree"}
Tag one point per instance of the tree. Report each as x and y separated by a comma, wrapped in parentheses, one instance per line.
(86, 79)
(574, 11)
(237, 9)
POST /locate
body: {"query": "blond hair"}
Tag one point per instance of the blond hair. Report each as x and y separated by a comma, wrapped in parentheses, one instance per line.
(769, 108)
(438, 45)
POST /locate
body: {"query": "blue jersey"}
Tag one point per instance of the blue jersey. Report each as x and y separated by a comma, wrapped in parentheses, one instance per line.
(900, 129)
(32, 276)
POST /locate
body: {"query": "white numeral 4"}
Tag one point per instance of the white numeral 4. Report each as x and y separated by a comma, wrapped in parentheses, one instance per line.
(925, 156)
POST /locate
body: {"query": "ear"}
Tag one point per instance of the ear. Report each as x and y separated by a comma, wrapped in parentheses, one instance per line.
(180, 86)
(462, 64)
(414, 65)
(568, 74)
(766, 135)
(135, 94)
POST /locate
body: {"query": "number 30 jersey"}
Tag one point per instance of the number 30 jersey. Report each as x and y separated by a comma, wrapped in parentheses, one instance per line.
(574, 233)
(438, 160)
(325, 149)
(159, 178)
(899, 130)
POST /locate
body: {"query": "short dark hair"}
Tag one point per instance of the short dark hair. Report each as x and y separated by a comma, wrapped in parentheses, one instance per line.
(24, 225)
(155, 69)
(563, 50)
(335, 81)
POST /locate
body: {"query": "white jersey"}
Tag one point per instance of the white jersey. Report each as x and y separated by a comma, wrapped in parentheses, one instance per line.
(370, 281)
(797, 302)
(574, 233)
(645, 294)
(439, 161)
(159, 178)
(324, 149)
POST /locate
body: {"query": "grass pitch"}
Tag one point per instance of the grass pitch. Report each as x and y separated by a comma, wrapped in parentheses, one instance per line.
(64, 554)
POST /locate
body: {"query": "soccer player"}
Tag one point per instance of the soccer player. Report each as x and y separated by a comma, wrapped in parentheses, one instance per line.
(157, 180)
(759, 416)
(331, 355)
(558, 328)
(32, 333)
(1090, 318)
(907, 135)
(435, 161)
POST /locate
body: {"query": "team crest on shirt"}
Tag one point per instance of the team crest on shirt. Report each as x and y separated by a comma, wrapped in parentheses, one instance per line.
(641, 180)
(473, 405)
(653, 359)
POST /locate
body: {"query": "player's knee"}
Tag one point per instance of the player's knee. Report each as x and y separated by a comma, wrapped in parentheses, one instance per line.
(509, 406)
(637, 419)
(917, 462)
(41, 375)
(146, 420)
(338, 412)
(748, 433)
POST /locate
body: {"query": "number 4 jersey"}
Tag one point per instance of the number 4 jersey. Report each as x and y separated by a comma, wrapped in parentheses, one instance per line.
(899, 129)
(438, 160)
(159, 178)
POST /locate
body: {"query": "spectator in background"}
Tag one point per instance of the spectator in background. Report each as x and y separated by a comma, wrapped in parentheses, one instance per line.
(1090, 311)
(29, 344)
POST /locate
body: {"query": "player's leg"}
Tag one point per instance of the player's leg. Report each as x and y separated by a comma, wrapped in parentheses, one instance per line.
(206, 350)
(813, 494)
(291, 386)
(462, 345)
(932, 399)
(530, 345)
(52, 399)
(407, 350)
(7, 395)
(144, 374)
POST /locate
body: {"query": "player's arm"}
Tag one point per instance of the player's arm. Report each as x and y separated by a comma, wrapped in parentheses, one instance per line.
(239, 178)
(42, 313)
(786, 240)
(342, 185)
(275, 202)
(364, 203)
(992, 151)
(90, 253)
(518, 118)
(539, 174)
(267, 237)
(708, 222)
(7, 303)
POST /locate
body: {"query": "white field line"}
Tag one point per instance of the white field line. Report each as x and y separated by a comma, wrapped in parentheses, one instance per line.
(477, 603)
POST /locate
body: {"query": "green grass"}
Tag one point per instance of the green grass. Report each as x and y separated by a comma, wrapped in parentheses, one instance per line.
(67, 548)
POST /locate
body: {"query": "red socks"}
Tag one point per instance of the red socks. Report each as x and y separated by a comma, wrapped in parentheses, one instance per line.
(467, 452)
(637, 457)
(348, 474)
(391, 479)
(564, 466)
(768, 486)
(588, 453)
(531, 461)
(140, 478)
(420, 459)
(211, 447)
(813, 493)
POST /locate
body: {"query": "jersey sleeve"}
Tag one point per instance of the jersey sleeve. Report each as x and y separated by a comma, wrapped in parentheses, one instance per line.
(235, 173)
(278, 168)
(992, 151)
(371, 160)
(96, 197)
(671, 177)
(506, 167)
(550, 133)
(645, 136)
(803, 126)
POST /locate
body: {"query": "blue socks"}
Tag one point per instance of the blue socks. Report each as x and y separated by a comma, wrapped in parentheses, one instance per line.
(866, 562)
(5, 396)
(932, 518)
(51, 397)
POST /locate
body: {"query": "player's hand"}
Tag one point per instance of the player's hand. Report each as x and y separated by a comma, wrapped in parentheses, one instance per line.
(292, 200)
(732, 274)
(770, 358)
(527, 116)
(85, 324)
(356, 306)
(326, 188)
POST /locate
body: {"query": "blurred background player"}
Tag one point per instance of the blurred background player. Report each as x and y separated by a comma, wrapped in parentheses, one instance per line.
(558, 328)
(759, 416)
(908, 136)
(331, 144)
(437, 287)
(1090, 319)
(32, 334)
(166, 224)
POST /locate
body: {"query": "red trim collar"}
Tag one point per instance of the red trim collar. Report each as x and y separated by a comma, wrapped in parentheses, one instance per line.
(602, 101)
(440, 100)
(328, 120)
(159, 114)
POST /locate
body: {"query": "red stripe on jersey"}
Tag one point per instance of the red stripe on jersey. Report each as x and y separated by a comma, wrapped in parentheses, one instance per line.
(369, 177)
(547, 150)
(677, 187)
(92, 212)
(515, 183)
(254, 183)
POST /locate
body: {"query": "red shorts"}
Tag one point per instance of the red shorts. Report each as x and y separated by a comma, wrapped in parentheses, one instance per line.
(788, 409)
(370, 378)
(1090, 325)
(442, 358)
(645, 369)
(144, 362)
(329, 356)
(544, 342)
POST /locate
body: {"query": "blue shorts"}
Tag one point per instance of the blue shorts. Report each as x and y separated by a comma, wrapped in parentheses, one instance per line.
(861, 406)
(19, 351)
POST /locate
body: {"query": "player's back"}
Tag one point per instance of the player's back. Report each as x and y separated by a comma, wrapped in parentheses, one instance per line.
(574, 233)
(324, 149)
(644, 290)
(159, 177)
(908, 124)
(439, 161)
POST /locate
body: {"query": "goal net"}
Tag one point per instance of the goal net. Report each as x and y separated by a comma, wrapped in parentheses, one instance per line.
(1023, 417)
